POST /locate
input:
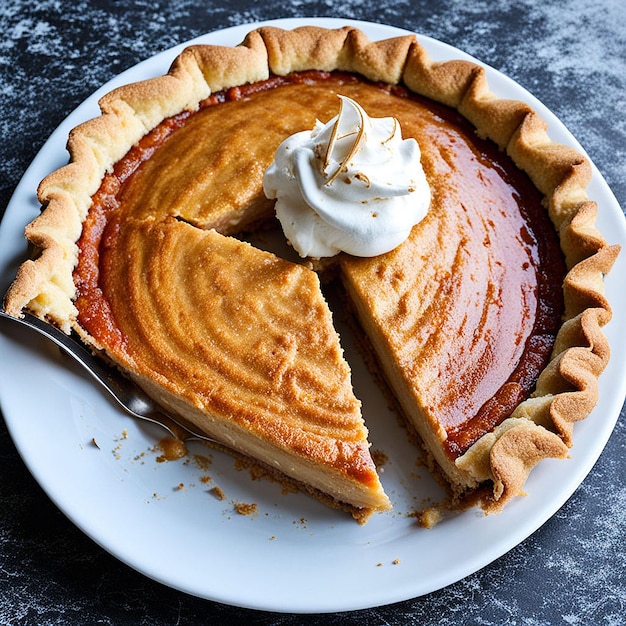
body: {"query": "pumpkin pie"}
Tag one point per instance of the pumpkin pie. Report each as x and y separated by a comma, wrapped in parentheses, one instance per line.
(484, 326)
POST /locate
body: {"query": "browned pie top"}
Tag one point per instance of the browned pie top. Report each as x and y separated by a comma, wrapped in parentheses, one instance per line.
(470, 303)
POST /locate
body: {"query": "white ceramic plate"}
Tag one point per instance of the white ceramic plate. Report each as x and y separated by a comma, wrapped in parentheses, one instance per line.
(293, 555)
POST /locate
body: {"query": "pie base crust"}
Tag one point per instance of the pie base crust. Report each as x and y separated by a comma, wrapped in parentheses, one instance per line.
(566, 391)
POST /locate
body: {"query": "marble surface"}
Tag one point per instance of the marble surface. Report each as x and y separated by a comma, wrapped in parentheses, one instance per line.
(572, 56)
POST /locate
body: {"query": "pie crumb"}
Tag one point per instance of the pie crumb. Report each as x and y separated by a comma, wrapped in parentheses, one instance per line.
(172, 449)
(380, 458)
(218, 493)
(244, 508)
(429, 517)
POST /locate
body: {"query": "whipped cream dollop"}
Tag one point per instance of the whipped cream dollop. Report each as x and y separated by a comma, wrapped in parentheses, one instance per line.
(353, 185)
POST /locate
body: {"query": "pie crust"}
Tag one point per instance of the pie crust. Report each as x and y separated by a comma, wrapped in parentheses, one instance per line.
(566, 391)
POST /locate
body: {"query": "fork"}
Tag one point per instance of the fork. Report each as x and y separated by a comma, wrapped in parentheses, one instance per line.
(128, 395)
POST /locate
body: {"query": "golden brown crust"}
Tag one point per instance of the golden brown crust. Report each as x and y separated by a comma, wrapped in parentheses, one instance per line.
(515, 454)
(567, 390)
(345, 49)
(507, 455)
(445, 82)
(493, 117)
(304, 48)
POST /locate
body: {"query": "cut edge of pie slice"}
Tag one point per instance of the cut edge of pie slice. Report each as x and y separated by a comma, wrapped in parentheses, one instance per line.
(566, 391)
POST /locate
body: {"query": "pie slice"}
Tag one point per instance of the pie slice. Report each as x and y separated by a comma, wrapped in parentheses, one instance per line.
(245, 348)
(484, 325)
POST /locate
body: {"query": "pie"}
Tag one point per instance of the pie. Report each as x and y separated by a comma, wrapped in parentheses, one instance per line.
(484, 326)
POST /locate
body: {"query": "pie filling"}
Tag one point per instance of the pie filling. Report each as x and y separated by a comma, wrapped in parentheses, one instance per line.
(469, 305)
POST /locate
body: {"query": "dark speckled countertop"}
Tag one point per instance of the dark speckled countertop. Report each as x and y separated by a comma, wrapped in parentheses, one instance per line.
(571, 55)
